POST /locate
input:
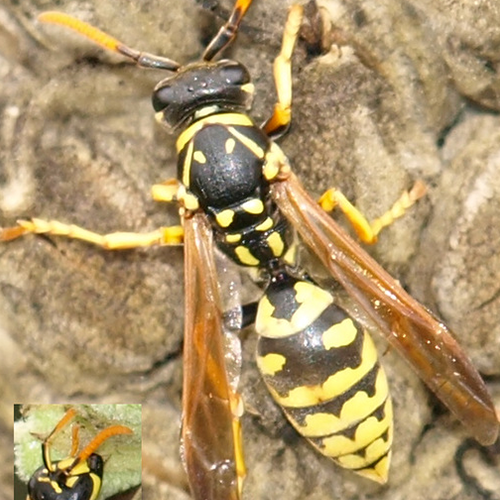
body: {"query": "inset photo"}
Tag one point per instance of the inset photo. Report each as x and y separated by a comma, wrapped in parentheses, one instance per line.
(77, 452)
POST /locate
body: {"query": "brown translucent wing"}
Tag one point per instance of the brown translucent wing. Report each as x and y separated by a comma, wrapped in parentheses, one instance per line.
(415, 333)
(210, 440)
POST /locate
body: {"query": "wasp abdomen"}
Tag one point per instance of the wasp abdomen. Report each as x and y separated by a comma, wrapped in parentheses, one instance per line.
(322, 368)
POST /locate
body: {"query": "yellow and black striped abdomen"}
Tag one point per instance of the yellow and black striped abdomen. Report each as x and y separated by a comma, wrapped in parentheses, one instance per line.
(323, 369)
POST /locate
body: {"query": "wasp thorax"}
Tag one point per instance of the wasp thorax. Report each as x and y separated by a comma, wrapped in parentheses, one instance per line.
(200, 89)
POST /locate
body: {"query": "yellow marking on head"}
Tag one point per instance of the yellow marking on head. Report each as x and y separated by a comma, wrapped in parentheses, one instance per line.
(222, 119)
(249, 88)
(253, 206)
(186, 168)
(340, 334)
(65, 463)
(313, 301)
(55, 486)
(97, 486)
(44, 479)
(81, 468)
(264, 226)
(245, 257)
(276, 244)
(199, 157)
(335, 385)
(270, 364)
(229, 145)
(159, 117)
(225, 218)
(248, 143)
(71, 480)
(275, 162)
(233, 238)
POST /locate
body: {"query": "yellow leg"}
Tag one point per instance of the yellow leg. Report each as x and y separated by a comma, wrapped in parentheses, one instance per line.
(172, 235)
(366, 231)
(282, 114)
(166, 191)
(173, 191)
(237, 409)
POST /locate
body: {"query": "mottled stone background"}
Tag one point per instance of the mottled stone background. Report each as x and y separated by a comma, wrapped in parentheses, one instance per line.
(410, 89)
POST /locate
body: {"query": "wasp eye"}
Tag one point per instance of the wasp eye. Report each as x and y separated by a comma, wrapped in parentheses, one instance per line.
(95, 464)
(234, 73)
(162, 97)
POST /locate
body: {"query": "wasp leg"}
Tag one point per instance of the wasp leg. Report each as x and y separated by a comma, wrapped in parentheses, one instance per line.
(172, 235)
(280, 120)
(237, 409)
(166, 191)
(228, 32)
(368, 231)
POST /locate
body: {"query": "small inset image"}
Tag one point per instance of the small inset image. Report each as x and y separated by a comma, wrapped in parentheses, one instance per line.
(77, 452)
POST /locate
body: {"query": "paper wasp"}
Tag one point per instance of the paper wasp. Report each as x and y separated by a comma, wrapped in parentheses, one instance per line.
(236, 192)
(80, 475)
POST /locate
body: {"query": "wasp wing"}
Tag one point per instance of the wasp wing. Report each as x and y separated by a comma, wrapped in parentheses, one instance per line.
(211, 439)
(424, 341)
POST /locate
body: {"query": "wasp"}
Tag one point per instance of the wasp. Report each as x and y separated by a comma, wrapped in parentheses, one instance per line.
(77, 477)
(237, 193)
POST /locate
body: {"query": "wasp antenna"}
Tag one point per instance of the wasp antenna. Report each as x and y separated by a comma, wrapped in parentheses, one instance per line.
(143, 59)
(104, 435)
(68, 416)
(75, 440)
(94, 34)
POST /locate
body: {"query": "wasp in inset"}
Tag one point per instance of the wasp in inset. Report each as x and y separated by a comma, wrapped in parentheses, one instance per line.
(236, 192)
(77, 477)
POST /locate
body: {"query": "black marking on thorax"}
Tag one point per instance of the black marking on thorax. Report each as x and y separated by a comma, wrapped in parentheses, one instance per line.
(223, 171)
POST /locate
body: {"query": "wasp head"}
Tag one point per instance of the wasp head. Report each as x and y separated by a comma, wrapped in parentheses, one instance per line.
(200, 89)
